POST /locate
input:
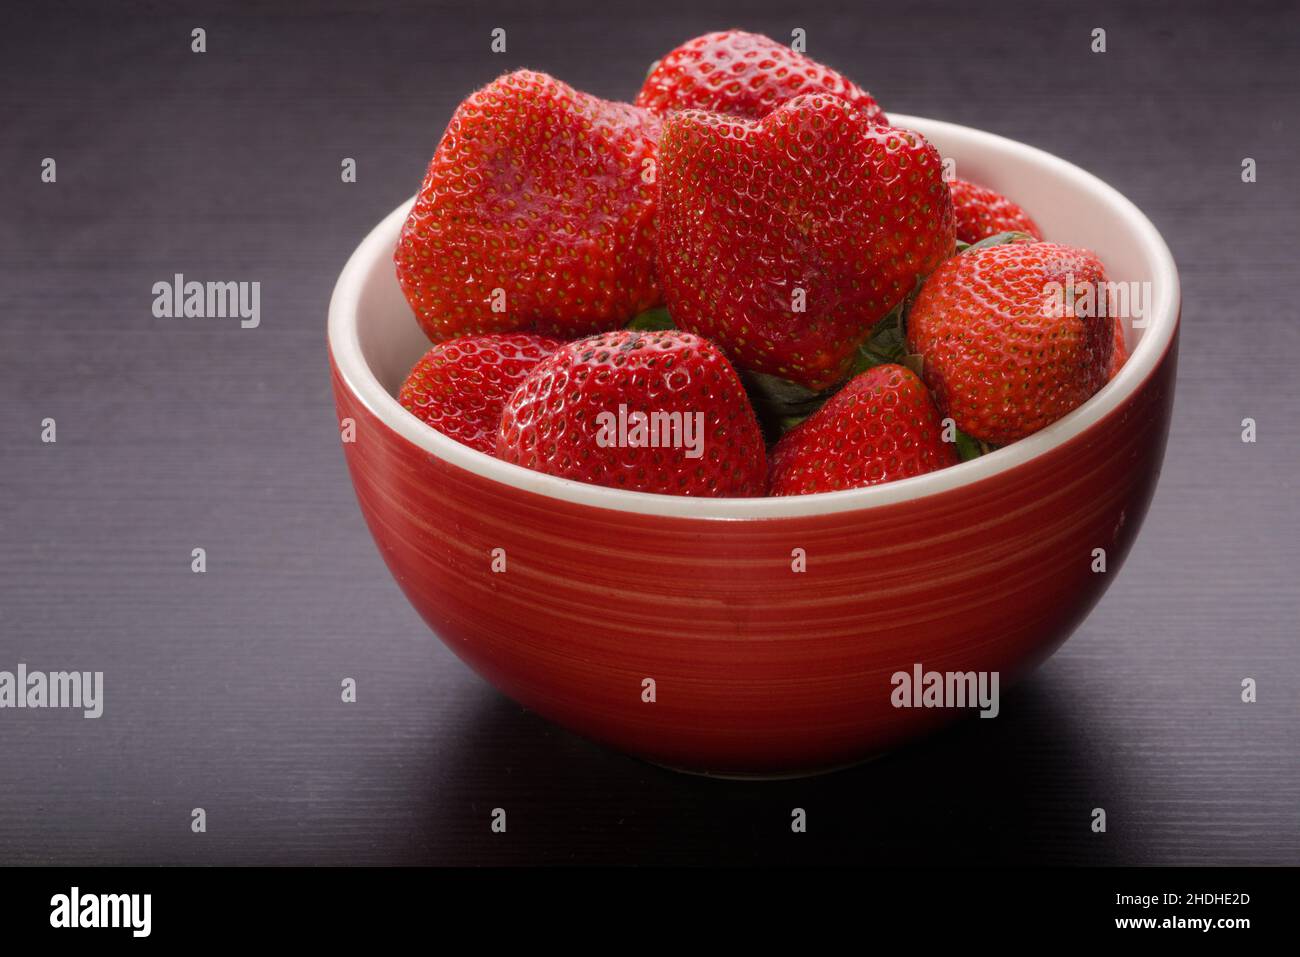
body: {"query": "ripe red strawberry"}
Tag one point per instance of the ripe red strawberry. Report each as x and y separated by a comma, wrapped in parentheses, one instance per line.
(982, 213)
(744, 74)
(1009, 339)
(880, 427)
(535, 214)
(459, 386)
(785, 239)
(645, 411)
(1120, 353)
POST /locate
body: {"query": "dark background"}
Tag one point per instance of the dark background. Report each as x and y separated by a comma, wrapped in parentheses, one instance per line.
(222, 689)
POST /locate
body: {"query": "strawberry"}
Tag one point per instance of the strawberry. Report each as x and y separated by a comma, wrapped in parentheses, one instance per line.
(535, 214)
(1011, 336)
(1120, 353)
(645, 411)
(880, 427)
(982, 213)
(785, 239)
(744, 74)
(459, 386)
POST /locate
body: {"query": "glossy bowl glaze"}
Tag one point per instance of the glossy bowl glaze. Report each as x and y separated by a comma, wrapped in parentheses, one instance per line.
(758, 668)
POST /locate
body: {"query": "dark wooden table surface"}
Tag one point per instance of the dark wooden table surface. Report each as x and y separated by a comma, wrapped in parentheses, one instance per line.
(222, 689)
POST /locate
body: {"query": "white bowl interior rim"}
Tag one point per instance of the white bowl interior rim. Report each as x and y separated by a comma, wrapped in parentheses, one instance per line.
(375, 252)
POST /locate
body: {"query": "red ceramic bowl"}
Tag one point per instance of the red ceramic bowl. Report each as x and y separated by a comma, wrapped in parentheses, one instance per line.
(759, 669)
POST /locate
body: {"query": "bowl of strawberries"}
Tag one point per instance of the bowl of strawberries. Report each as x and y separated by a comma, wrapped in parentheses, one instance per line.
(747, 428)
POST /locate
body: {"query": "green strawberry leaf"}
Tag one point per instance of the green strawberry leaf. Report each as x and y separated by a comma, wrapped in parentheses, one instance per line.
(1000, 239)
(886, 337)
(868, 359)
(780, 404)
(967, 448)
(887, 340)
(971, 448)
(652, 320)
